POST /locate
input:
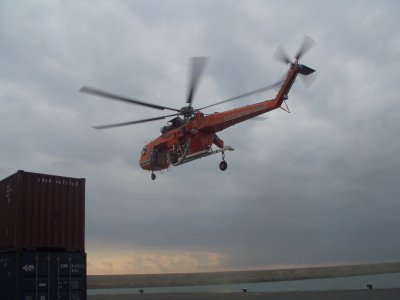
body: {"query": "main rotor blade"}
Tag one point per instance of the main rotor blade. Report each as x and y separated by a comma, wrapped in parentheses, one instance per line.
(133, 122)
(305, 46)
(93, 91)
(262, 89)
(198, 64)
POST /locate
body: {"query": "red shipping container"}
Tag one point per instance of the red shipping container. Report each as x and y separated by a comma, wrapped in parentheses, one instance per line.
(39, 211)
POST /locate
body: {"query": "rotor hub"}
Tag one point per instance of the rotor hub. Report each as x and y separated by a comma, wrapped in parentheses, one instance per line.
(187, 111)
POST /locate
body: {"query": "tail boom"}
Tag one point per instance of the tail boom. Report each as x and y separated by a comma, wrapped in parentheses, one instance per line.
(219, 121)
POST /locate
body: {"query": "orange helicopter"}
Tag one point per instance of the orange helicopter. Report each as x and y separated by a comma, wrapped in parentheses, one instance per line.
(191, 133)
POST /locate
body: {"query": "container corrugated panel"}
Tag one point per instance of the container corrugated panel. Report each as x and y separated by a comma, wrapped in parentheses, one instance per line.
(39, 211)
(28, 275)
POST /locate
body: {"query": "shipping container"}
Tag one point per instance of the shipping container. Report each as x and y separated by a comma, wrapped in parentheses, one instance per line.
(27, 275)
(41, 212)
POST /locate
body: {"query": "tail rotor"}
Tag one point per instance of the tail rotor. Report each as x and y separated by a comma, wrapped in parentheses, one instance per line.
(305, 46)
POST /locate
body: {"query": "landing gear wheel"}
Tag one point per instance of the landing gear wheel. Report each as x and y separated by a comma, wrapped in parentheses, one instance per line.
(223, 165)
(153, 176)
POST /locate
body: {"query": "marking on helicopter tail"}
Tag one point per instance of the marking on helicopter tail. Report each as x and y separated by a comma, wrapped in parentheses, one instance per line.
(245, 112)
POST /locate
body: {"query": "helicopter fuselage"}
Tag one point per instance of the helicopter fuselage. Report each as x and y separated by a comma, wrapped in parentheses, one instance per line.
(194, 138)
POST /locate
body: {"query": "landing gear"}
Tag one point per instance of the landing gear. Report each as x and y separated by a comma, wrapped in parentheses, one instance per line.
(223, 164)
(153, 176)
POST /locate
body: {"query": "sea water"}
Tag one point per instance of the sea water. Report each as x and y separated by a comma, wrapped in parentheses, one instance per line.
(378, 281)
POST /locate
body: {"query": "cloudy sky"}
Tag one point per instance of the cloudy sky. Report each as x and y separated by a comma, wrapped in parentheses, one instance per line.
(319, 186)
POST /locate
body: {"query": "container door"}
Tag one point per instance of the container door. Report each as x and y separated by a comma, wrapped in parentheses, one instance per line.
(71, 270)
(34, 281)
(47, 276)
(7, 276)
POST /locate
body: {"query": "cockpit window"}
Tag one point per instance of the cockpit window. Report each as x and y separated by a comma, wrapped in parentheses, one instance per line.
(144, 150)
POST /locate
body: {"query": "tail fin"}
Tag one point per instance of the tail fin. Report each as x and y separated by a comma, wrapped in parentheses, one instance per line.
(294, 70)
(304, 70)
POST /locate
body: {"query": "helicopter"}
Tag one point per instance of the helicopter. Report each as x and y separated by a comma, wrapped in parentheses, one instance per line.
(191, 134)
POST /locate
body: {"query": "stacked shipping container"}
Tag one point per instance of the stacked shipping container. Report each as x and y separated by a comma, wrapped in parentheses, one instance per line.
(42, 237)
(40, 275)
(42, 211)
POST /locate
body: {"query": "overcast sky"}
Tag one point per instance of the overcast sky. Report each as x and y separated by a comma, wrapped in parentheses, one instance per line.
(318, 186)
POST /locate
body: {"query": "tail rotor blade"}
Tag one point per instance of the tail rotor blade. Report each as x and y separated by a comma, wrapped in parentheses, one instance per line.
(308, 79)
(281, 55)
(305, 46)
